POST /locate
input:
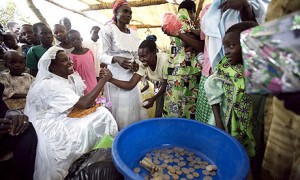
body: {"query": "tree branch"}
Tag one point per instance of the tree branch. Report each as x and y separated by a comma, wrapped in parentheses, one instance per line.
(36, 11)
(140, 26)
(199, 8)
(108, 5)
(74, 11)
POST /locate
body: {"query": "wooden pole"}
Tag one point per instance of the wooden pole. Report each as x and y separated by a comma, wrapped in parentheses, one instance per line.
(108, 5)
(74, 11)
(199, 8)
(36, 11)
(141, 26)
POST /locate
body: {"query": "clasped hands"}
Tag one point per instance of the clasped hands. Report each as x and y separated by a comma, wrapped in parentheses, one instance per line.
(126, 63)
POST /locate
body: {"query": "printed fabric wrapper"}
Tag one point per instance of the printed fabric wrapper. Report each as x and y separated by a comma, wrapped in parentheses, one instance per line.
(171, 23)
(271, 54)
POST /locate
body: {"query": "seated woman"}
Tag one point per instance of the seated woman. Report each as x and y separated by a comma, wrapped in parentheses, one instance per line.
(56, 91)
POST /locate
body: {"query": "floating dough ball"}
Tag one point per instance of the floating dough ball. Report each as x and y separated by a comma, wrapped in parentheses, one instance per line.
(136, 170)
(189, 176)
(166, 177)
(207, 178)
(211, 168)
(205, 172)
(213, 173)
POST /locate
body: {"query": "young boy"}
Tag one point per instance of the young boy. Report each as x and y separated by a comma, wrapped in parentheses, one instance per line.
(26, 32)
(93, 44)
(60, 34)
(66, 22)
(225, 90)
(34, 54)
(11, 42)
(16, 82)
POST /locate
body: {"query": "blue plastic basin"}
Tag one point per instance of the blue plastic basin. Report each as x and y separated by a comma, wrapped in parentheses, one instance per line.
(214, 145)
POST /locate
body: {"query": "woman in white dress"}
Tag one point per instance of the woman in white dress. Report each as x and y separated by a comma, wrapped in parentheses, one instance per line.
(119, 46)
(56, 91)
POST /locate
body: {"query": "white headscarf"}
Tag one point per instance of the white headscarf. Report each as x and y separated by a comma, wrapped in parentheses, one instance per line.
(43, 73)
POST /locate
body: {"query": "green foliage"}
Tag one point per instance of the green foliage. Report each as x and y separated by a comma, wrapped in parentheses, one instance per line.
(10, 12)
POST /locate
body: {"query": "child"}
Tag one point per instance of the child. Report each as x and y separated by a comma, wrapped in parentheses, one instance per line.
(153, 66)
(225, 90)
(3, 49)
(26, 33)
(83, 60)
(15, 81)
(11, 42)
(66, 22)
(60, 34)
(93, 44)
(34, 54)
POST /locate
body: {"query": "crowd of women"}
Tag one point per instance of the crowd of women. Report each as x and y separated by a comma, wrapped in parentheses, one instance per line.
(200, 78)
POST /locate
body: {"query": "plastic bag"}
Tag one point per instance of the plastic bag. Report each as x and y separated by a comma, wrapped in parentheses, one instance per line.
(94, 165)
(105, 142)
(271, 56)
(171, 23)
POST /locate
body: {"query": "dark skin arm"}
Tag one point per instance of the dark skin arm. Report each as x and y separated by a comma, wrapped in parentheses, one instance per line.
(128, 85)
(145, 87)
(122, 61)
(190, 40)
(33, 72)
(196, 32)
(17, 96)
(217, 114)
(88, 100)
(160, 92)
(241, 5)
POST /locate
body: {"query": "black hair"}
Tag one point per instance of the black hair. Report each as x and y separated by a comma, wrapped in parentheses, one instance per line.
(53, 60)
(95, 28)
(36, 25)
(26, 25)
(72, 31)
(60, 26)
(8, 53)
(62, 19)
(188, 5)
(242, 26)
(149, 43)
(11, 24)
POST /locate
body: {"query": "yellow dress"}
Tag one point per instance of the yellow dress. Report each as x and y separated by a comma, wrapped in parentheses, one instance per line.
(148, 94)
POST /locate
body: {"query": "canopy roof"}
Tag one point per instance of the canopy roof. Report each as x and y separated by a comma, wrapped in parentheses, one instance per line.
(147, 14)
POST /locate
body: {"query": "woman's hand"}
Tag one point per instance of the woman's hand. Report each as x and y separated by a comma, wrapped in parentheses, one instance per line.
(175, 34)
(233, 4)
(149, 104)
(5, 126)
(123, 62)
(105, 74)
(135, 67)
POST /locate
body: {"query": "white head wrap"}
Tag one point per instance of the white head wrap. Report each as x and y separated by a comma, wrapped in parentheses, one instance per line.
(43, 73)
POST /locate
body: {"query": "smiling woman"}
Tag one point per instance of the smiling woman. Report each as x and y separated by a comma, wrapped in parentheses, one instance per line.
(118, 50)
(55, 93)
